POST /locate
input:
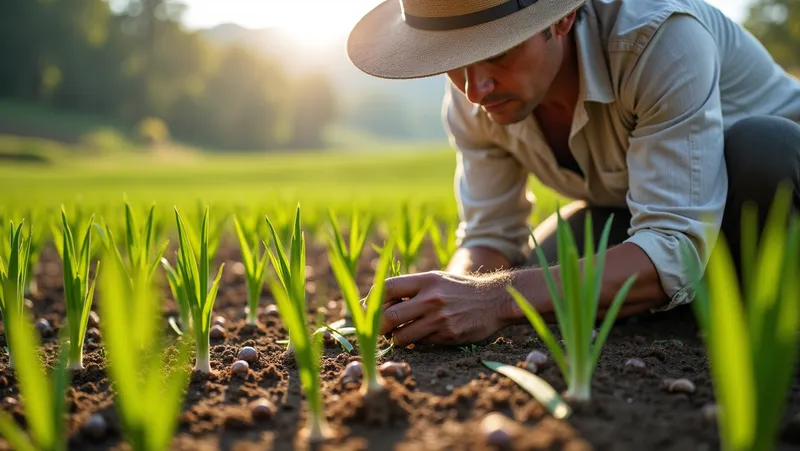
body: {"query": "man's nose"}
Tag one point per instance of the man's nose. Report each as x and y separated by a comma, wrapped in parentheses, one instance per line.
(478, 82)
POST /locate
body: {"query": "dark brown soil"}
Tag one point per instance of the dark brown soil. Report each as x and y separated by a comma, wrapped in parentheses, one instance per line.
(438, 407)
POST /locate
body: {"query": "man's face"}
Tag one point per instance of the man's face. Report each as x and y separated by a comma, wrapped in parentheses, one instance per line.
(511, 85)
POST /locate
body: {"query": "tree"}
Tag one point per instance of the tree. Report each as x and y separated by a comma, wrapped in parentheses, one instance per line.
(314, 111)
(776, 23)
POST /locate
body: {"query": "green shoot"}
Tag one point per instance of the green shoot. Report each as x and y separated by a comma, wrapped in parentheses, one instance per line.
(140, 262)
(367, 322)
(78, 289)
(444, 246)
(751, 331)
(254, 265)
(290, 297)
(13, 269)
(44, 399)
(194, 280)
(411, 232)
(576, 305)
(543, 392)
(139, 368)
(350, 251)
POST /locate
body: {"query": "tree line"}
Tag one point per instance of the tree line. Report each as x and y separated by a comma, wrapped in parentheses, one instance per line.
(136, 61)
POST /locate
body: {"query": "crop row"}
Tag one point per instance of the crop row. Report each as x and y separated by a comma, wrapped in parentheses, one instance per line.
(751, 330)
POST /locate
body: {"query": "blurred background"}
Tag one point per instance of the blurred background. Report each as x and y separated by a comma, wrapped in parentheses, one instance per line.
(226, 98)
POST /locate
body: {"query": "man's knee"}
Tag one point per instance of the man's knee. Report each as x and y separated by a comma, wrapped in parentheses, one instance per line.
(761, 152)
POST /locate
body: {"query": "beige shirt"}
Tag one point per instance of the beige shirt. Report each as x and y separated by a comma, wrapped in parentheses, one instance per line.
(660, 81)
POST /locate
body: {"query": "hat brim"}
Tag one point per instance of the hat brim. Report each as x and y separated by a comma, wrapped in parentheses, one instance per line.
(381, 44)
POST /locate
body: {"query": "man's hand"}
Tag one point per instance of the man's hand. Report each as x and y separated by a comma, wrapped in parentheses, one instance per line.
(440, 308)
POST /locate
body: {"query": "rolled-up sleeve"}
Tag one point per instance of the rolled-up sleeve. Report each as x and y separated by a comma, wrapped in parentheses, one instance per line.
(677, 176)
(490, 184)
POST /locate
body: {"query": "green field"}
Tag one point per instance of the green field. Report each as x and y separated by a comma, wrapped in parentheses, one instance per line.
(380, 179)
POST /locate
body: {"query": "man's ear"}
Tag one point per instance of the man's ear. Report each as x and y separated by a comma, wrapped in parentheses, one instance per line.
(563, 26)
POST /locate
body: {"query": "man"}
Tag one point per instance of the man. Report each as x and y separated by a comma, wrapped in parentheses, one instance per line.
(662, 112)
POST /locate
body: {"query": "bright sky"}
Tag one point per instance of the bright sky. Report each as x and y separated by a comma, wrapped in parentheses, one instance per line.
(319, 19)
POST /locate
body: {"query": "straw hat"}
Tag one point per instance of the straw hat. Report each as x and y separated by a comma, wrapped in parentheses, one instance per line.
(402, 39)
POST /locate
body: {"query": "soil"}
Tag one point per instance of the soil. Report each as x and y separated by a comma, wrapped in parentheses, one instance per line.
(439, 406)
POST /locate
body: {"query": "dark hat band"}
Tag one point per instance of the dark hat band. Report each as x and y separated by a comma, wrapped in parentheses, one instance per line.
(467, 20)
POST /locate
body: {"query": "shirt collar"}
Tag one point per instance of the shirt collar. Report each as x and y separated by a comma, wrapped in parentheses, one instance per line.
(594, 78)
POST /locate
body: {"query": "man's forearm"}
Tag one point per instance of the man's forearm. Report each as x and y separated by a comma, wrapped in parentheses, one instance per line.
(478, 259)
(622, 261)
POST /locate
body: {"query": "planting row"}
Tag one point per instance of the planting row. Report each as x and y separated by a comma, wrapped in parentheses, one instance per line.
(751, 332)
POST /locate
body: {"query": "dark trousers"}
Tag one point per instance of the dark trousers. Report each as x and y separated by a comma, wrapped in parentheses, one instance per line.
(760, 153)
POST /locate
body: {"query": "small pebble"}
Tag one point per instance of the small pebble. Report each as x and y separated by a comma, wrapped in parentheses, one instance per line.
(681, 386)
(353, 372)
(217, 333)
(327, 337)
(537, 357)
(96, 427)
(397, 370)
(43, 326)
(9, 402)
(238, 269)
(710, 412)
(94, 319)
(636, 363)
(497, 430)
(248, 354)
(28, 303)
(218, 321)
(271, 310)
(94, 335)
(239, 367)
(263, 409)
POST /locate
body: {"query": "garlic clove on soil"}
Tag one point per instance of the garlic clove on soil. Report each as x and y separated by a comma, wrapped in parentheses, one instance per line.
(271, 310)
(534, 360)
(44, 328)
(96, 427)
(497, 430)
(353, 372)
(635, 363)
(248, 354)
(682, 386)
(263, 409)
(239, 367)
(397, 370)
(218, 321)
(217, 333)
(94, 319)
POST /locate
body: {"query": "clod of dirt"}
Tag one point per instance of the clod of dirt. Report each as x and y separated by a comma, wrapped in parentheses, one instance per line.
(353, 372)
(441, 372)
(327, 338)
(635, 363)
(96, 427)
(682, 386)
(239, 368)
(397, 370)
(498, 431)
(217, 333)
(218, 321)
(94, 319)
(94, 335)
(263, 409)
(43, 326)
(248, 354)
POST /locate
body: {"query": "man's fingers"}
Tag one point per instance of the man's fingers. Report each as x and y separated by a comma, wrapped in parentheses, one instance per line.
(405, 286)
(413, 332)
(400, 313)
